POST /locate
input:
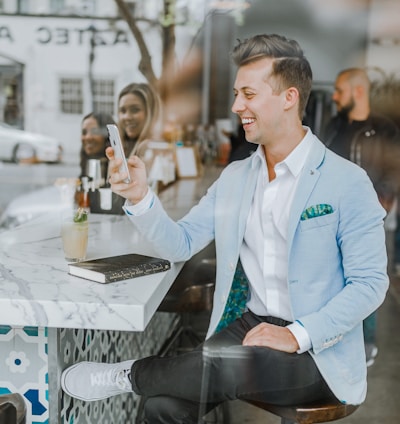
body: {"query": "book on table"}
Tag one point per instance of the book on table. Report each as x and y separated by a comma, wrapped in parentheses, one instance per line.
(117, 268)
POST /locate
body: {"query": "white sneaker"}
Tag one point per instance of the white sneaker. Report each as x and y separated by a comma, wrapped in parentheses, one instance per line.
(91, 381)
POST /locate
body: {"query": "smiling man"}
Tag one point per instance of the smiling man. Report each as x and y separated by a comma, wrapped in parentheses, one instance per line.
(300, 261)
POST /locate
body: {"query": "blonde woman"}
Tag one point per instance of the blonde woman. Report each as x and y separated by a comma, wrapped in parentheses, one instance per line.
(138, 113)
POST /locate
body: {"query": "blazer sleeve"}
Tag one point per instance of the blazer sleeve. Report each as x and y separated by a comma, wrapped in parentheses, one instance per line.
(179, 240)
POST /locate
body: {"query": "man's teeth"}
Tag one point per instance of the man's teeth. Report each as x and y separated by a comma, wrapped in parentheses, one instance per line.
(247, 120)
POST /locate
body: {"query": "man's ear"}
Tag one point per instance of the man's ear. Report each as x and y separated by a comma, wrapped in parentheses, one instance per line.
(291, 98)
(358, 91)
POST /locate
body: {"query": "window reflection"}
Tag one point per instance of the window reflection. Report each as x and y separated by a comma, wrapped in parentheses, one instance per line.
(62, 59)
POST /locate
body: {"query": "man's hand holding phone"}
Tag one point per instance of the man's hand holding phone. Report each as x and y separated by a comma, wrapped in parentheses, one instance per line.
(116, 144)
(129, 181)
(137, 188)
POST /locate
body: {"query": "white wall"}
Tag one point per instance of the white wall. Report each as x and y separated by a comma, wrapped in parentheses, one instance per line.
(384, 34)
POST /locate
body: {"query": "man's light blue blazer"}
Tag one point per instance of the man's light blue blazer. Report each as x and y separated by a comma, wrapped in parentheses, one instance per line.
(336, 262)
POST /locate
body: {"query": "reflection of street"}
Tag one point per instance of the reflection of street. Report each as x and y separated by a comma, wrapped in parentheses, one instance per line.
(16, 180)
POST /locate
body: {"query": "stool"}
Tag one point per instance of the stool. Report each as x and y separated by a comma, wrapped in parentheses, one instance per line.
(200, 297)
(316, 412)
(12, 409)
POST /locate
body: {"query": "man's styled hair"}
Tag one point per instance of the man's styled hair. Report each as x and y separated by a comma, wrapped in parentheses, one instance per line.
(290, 67)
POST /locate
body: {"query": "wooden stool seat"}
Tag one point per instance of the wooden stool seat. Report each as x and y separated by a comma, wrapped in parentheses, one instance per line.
(12, 409)
(317, 412)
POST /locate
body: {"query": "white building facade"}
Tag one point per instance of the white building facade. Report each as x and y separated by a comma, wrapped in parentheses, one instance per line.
(50, 57)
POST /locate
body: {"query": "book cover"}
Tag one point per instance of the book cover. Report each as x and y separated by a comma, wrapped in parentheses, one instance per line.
(117, 268)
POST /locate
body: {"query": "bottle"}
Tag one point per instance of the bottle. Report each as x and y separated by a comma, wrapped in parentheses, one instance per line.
(84, 202)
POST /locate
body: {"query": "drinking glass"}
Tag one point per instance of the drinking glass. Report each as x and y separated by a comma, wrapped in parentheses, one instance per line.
(74, 234)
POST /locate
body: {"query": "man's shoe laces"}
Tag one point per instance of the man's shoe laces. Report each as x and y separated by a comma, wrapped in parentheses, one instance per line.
(110, 378)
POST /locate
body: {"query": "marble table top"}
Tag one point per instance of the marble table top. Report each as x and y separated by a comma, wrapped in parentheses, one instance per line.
(36, 289)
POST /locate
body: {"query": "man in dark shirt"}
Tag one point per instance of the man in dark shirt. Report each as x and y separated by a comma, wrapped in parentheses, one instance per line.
(371, 141)
(368, 139)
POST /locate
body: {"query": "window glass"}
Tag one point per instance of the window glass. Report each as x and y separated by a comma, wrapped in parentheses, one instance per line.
(71, 97)
(103, 96)
(56, 6)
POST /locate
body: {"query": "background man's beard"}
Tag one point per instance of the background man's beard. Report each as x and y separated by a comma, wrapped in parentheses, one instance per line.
(346, 109)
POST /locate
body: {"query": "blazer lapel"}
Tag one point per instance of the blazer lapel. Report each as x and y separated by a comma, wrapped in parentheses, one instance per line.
(250, 178)
(308, 179)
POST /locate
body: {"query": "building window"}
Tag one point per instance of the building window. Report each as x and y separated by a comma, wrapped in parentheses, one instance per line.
(56, 6)
(71, 96)
(11, 112)
(23, 6)
(103, 96)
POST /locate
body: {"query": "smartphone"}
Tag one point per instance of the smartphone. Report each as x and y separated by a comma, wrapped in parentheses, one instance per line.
(116, 144)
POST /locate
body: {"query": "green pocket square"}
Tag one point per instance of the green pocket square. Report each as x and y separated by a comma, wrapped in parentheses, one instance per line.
(316, 210)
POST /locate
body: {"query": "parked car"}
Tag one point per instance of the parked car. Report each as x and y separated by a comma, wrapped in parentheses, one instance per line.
(31, 205)
(25, 147)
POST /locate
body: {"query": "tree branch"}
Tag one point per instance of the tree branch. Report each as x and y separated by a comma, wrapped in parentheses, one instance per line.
(145, 65)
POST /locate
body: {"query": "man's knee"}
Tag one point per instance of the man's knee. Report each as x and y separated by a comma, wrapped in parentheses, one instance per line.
(169, 410)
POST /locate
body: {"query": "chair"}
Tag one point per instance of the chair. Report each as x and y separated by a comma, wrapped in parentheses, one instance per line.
(191, 297)
(12, 409)
(317, 412)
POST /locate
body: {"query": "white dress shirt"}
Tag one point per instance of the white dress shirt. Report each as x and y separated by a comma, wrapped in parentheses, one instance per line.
(264, 253)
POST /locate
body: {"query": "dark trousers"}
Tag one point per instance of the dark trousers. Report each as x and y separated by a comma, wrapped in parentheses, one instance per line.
(180, 388)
